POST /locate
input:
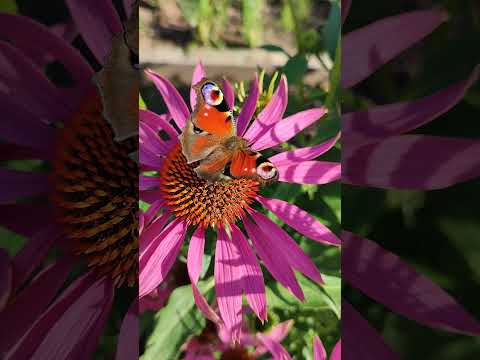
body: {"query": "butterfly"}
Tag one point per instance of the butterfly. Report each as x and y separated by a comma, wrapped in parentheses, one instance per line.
(210, 138)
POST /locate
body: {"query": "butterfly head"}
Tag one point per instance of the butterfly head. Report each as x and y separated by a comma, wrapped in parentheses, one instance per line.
(211, 93)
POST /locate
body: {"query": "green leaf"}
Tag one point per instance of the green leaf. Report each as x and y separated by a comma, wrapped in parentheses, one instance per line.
(178, 320)
(295, 68)
(141, 103)
(331, 31)
(274, 48)
(8, 6)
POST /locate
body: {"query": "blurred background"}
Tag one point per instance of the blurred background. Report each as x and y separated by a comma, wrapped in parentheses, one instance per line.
(437, 232)
(235, 39)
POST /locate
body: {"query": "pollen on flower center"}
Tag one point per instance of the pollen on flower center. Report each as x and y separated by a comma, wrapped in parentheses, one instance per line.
(96, 193)
(198, 201)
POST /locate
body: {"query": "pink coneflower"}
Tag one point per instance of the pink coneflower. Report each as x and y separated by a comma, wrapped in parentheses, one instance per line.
(185, 200)
(217, 341)
(48, 122)
(319, 352)
(376, 152)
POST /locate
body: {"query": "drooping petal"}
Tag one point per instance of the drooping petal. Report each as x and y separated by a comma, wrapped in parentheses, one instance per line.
(275, 348)
(33, 252)
(304, 154)
(198, 74)
(151, 232)
(71, 327)
(23, 84)
(129, 336)
(253, 283)
(387, 279)
(42, 45)
(154, 208)
(277, 333)
(158, 122)
(287, 128)
(228, 92)
(22, 127)
(148, 182)
(319, 352)
(6, 278)
(149, 196)
(300, 220)
(272, 113)
(337, 351)
(360, 339)
(149, 139)
(273, 258)
(158, 257)
(309, 172)
(412, 162)
(98, 23)
(194, 266)
(175, 104)
(148, 159)
(296, 257)
(32, 301)
(12, 216)
(394, 119)
(249, 107)
(366, 49)
(345, 9)
(16, 184)
(228, 283)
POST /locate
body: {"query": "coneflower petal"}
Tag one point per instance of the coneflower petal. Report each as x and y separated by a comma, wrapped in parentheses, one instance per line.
(319, 352)
(300, 220)
(276, 349)
(249, 107)
(309, 172)
(229, 93)
(198, 74)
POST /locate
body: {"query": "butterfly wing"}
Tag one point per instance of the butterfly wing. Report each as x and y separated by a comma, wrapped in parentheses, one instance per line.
(251, 164)
(213, 166)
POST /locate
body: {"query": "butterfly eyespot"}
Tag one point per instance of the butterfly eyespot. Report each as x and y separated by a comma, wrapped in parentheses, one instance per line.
(197, 130)
(267, 171)
(212, 94)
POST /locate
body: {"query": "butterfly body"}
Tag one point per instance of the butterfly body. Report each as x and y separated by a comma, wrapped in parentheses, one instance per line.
(210, 139)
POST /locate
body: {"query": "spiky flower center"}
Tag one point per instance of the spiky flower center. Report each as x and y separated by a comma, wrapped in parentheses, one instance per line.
(96, 192)
(198, 201)
(237, 353)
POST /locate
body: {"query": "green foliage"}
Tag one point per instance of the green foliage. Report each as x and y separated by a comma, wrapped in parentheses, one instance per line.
(8, 6)
(252, 27)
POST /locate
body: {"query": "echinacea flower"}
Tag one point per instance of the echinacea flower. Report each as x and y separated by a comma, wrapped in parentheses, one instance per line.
(378, 153)
(79, 204)
(184, 201)
(217, 340)
(319, 352)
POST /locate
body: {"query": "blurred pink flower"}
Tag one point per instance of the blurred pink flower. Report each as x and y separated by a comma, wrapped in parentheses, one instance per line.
(319, 352)
(237, 270)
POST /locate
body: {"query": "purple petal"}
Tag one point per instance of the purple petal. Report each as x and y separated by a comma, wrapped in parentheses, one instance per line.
(252, 276)
(304, 154)
(149, 139)
(249, 107)
(13, 217)
(276, 349)
(149, 196)
(148, 182)
(98, 23)
(286, 129)
(81, 312)
(194, 266)
(345, 9)
(198, 74)
(149, 160)
(309, 172)
(360, 340)
(24, 84)
(271, 114)
(383, 121)
(21, 127)
(34, 252)
(32, 301)
(300, 220)
(228, 283)
(9, 151)
(319, 352)
(337, 351)
(19, 184)
(158, 122)
(175, 104)
(385, 278)
(296, 257)
(129, 336)
(277, 333)
(152, 211)
(366, 49)
(6, 278)
(229, 93)
(152, 230)
(273, 258)
(412, 162)
(158, 257)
